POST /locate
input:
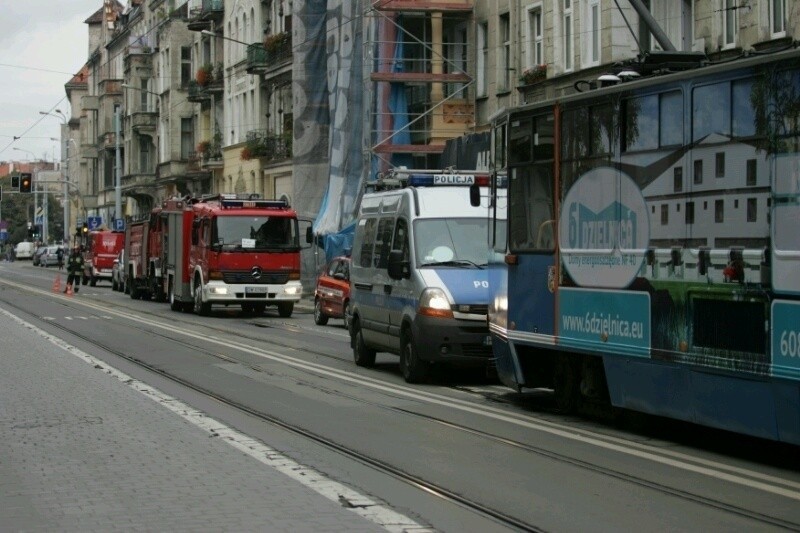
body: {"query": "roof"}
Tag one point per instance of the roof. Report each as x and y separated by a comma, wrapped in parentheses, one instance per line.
(97, 16)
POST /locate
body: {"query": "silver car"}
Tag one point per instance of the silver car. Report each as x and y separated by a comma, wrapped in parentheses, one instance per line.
(50, 256)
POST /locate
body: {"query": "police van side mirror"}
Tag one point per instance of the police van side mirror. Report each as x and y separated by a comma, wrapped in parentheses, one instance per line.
(309, 235)
(398, 269)
(475, 195)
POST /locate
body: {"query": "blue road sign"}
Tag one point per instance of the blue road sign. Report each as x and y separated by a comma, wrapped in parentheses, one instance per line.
(94, 222)
(119, 224)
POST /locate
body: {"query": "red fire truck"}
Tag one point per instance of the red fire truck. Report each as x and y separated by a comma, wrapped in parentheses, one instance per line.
(217, 250)
(100, 248)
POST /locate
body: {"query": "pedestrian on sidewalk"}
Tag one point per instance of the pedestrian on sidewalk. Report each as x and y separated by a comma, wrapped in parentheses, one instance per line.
(75, 268)
(60, 257)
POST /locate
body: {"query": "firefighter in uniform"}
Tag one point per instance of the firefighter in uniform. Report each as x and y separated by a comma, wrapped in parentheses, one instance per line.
(75, 268)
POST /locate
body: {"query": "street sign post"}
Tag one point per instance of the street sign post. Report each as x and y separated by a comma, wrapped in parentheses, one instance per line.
(94, 222)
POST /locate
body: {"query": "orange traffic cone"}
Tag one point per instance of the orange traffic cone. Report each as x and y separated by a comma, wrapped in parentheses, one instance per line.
(57, 284)
(69, 290)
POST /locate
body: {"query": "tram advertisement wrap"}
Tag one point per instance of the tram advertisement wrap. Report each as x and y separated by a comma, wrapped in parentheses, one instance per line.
(786, 339)
(596, 318)
(604, 229)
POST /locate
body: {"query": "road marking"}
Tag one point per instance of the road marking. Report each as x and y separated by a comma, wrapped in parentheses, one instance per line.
(714, 469)
(338, 493)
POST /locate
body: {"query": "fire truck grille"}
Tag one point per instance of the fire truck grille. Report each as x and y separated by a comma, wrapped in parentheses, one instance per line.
(244, 276)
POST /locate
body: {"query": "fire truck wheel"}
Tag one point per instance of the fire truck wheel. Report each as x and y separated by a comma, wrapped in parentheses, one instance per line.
(320, 318)
(200, 307)
(174, 304)
(285, 309)
(134, 292)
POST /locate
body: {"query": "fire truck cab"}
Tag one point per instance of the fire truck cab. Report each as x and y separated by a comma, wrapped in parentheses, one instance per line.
(100, 248)
(232, 250)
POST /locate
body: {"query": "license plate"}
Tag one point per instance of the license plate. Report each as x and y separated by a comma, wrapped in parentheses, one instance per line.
(255, 290)
(487, 341)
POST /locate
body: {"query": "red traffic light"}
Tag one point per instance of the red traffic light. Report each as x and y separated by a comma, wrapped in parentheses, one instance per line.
(25, 182)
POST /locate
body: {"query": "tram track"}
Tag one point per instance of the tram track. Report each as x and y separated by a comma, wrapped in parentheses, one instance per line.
(386, 468)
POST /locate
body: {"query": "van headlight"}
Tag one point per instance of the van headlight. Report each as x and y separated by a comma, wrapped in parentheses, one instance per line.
(433, 302)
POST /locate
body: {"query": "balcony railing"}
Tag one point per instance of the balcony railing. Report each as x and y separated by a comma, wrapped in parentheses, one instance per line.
(143, 120)
(196, 93)
(267, 146)
(110, 87)
(200, 17)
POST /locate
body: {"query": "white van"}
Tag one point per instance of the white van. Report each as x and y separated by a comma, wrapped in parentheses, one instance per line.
(24, 250)
(419, 279)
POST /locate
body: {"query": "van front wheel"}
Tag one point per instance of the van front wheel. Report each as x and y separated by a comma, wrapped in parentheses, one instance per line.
(414, 369)
(362, 355)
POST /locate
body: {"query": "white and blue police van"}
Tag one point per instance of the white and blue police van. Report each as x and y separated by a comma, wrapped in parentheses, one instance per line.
(419, 279)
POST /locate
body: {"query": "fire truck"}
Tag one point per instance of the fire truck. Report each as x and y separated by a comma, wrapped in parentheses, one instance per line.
(100, 248)
(217, 250)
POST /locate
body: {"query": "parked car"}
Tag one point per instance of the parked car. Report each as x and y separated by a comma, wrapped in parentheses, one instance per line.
(118, 276)
(24, 250)
(332, 293)
(37, 255)
(49, 257)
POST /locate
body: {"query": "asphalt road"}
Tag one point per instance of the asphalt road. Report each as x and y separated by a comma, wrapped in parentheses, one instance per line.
(509, 454)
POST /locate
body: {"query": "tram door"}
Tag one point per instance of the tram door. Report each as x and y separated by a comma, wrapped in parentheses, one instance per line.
(531, 226)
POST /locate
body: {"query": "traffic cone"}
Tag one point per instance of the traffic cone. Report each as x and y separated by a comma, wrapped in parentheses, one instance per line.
(57, 284)
(69, 290)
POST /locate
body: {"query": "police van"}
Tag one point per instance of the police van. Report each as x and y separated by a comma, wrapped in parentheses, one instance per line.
(419, 279)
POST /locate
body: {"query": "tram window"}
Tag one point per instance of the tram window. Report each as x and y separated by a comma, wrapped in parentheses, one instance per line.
(543, 139)
(670, 119)
(520, 138)
(575, 134)
(600, 125)
(654, 121)
(711, 106)
(744, 115)
(641, 121)
(530, 217)
(500, 147)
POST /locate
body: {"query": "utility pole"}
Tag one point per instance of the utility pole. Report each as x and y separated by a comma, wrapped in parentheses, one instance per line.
(118, 173)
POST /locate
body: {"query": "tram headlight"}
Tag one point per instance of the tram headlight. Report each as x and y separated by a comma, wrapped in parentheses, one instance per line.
(433, 302)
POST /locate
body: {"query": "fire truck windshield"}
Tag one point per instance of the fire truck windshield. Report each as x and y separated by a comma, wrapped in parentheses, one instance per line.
(244, 233)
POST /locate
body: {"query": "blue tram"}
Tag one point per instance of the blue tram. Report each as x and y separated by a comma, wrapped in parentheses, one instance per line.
(651, 256)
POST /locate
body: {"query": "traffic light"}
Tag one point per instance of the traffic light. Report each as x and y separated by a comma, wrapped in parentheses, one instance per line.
(85, 228)
(15, 182)
(25, 182)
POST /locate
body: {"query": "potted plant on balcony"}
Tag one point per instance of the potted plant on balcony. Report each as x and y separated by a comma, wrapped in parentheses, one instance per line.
(203, 146)
(246, 155)
(204, 75)
(273, 43)
(533, 74)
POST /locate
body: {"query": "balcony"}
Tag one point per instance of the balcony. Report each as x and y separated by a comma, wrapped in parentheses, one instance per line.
(268, 147)
(275, 52)
(200, 18)
(144, 121)
(90, 103)
(137, 56)
(110, 87)
(197, 93)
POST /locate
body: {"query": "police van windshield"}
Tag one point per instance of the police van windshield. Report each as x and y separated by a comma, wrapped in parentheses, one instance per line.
(454, 242)
(244, 233)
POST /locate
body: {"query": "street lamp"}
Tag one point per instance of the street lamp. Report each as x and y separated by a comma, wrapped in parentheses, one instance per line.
(65, 135)
(210, 33)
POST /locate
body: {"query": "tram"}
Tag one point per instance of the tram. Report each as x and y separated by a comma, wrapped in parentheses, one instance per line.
(651, 256)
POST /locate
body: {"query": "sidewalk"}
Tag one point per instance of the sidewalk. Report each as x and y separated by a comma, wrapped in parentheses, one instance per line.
(84, 451)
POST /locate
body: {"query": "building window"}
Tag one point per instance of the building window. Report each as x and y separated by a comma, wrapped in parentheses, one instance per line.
(698, 172)
(689, 213)
(567, 12)
(720, 165)
(677, 174)
(535, 37)
(777, 19)
(729, 23)
(187, 137)
(664, 214)
(752, 209)
(751, 172)
(145, 166)
(144, 93)
(504, 80)
(186, 65)
(483, 56)
(719, 211)
(592, 33)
